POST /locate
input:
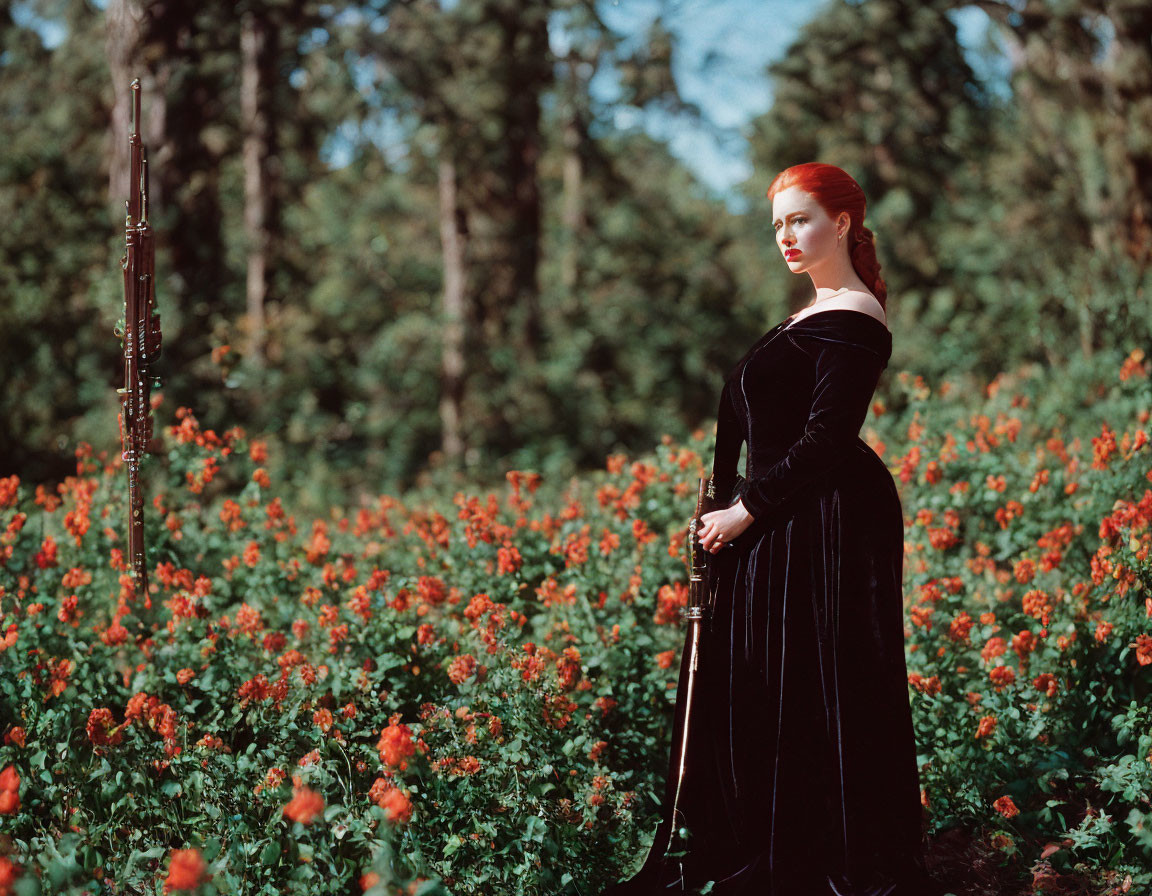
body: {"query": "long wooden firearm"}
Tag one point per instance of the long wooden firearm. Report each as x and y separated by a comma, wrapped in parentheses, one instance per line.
(141, 339)
(700, 606)
(664, 867)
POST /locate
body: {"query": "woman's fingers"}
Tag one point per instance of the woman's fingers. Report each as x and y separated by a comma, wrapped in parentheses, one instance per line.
(709, 532)
(709, 538)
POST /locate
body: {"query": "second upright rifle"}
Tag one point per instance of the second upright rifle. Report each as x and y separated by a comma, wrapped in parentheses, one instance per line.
(140, 333)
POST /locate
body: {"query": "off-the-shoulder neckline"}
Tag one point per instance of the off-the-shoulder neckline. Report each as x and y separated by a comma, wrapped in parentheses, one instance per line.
(785, 325)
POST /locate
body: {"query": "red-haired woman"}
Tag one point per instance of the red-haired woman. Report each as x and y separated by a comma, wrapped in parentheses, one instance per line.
(801, 776)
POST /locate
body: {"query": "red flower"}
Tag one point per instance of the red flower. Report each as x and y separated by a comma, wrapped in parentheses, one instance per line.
(9, 791)
(431, 589)
(1133, 366)
(75, 577)
(568, 668)
(305, 805)
(1143, 645)
(395, 745)
(251, 554)
(186, 870)
(461, 668)
(960, 627)
(508, 559)
(102, 728)
(46, 556)
(9, 488)
(1046, 682)
(942, 539)
(1103, 447)
(929, 686)
(994, 648)
(8, 871)
(392, 800)
(1002, 676)
(1025, 570)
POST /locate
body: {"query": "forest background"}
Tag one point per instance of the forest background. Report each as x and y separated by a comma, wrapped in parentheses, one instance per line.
(411, 253)
(401, 238)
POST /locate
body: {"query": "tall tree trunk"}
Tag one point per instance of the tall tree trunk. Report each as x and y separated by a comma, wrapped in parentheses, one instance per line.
(184, 181)
(508, 194)
(122, 39)
(572, 214)
(1130, 83)
(452, 352)
(531, 69)
(258, 54)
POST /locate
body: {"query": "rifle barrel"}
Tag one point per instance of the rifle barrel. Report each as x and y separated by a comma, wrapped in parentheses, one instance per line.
(141, 338)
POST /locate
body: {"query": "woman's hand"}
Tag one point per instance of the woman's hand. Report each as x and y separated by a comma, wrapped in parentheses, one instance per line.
(719, 527)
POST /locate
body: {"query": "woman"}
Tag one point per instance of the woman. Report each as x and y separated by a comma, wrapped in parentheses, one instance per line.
(801, 776)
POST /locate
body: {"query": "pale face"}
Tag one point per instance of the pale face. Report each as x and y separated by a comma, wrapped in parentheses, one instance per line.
(804, 232)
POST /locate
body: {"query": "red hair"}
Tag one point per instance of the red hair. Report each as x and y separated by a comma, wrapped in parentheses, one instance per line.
(836, 191)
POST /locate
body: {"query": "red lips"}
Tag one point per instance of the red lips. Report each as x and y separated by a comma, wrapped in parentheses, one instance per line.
(791, 253)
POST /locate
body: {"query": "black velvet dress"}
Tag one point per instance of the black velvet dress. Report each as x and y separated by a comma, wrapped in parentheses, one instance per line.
(801, 772)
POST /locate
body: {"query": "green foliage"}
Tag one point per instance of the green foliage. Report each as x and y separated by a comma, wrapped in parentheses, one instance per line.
(1028, 576)
(504, 662)
(55, 323)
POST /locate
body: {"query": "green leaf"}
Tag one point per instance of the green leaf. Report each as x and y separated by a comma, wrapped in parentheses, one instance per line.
(535, 829)
(27, 885)
(270, 853)
(211, 848)
(386, 661)
(89, 857)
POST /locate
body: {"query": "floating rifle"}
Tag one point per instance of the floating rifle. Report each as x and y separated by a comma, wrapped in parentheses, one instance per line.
(140, 334)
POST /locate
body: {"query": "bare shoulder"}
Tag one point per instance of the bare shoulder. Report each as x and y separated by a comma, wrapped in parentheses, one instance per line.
(858, 300)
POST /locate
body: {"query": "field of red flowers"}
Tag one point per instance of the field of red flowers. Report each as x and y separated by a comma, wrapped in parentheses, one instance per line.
(472, 694)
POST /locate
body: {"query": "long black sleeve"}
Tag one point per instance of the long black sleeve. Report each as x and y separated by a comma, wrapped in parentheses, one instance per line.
(846, 378)
(729, 438)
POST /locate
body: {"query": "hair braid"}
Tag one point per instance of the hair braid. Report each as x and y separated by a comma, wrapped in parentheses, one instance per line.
(863, 255)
